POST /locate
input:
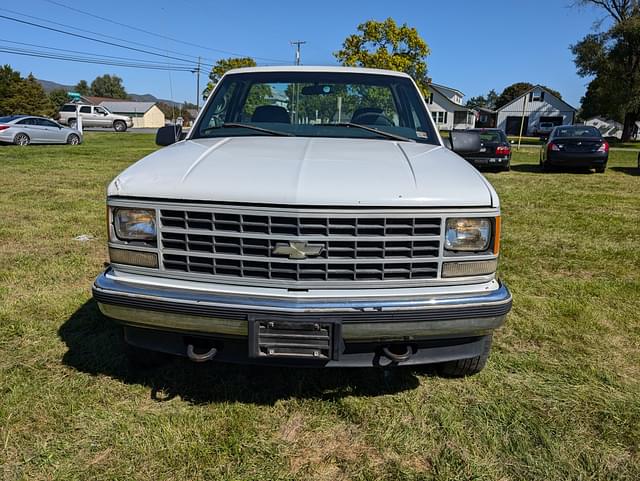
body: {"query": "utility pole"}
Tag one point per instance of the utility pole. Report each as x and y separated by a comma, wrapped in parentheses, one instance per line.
(296, 93)
(198, 86)
(298, 43)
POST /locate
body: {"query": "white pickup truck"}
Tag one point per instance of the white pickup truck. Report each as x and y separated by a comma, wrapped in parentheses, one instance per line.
(312, 216)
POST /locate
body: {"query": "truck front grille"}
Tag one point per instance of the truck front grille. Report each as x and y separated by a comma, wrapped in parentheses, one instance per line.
(266, 246)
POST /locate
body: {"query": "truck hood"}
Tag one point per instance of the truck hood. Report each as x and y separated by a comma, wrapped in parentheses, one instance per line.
(307, 171)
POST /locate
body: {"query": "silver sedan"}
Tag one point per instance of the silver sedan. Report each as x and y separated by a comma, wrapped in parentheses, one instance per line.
(29, 129)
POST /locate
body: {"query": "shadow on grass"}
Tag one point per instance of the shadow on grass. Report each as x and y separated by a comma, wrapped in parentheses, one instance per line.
(96, 346)
(633, 171)
(536, 169)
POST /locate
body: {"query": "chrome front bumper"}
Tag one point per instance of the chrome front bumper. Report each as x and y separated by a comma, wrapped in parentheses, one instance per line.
(370, 318)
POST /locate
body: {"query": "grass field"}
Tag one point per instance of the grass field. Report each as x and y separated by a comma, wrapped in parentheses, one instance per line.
(559, 399)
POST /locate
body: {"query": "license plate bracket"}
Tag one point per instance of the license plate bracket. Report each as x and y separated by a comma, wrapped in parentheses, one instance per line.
(312, 340)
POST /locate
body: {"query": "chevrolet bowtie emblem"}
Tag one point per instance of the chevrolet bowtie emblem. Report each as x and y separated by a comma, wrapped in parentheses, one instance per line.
(297, 250)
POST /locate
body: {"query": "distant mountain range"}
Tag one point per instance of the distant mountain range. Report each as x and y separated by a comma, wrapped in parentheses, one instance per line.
(48, 86)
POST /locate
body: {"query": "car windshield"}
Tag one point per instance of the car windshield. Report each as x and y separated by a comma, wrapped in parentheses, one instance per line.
(582, 131)
(317, 104)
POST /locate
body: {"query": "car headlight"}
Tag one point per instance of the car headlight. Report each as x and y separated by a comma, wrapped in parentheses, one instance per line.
(134, 224)
(468, 234)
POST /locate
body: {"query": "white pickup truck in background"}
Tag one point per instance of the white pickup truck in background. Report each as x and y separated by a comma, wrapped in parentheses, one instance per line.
(93, 116)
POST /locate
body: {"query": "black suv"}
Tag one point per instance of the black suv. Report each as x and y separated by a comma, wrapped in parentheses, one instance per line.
(495, 150)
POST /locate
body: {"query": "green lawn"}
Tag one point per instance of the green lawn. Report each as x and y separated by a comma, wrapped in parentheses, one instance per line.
(559, 399)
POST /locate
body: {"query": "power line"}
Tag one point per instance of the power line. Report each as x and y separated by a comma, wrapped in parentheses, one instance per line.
(33, 24)
(101, 34)
(95, 55)
(54, 56)
(155, 34)
(298, 43)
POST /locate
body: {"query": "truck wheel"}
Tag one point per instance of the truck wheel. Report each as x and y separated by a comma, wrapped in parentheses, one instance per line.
(21, 139)
(72, 123)
(119, 126)
(467, 367)
(141, 358)
(73, 139)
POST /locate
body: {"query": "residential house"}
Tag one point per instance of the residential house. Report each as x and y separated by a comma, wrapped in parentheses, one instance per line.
(445, 105)
(531, 108)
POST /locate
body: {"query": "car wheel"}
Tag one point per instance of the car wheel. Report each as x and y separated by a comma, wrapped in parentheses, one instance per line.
(21, 139)
(601, 168)
(467, 367)
(73, 123)
(73, 139)
(141, 358)
(119, 126)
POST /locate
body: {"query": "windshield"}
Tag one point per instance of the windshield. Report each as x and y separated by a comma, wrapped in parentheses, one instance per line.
(583, 131)
(317, 104)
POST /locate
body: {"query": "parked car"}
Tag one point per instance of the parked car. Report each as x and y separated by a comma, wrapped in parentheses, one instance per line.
(94, 116)
(29, 129)
(495, 150)
(357, 239)
(544, 129)
(575, 146)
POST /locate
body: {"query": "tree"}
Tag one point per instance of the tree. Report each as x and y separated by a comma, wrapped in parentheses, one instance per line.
(9, 85)
(612, 58)
(24, 96)
(389, 46)
(82, 88)
(488, 102)
(108, 86)
(515, 90)
(58, 98)
(221, 67)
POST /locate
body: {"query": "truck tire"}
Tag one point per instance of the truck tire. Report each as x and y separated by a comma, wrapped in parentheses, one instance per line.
(72, 123)
(467, 367)
(140, 358)
(119, 126)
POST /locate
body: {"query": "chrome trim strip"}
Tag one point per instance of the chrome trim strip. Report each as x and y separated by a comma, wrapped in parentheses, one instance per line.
(106, 284)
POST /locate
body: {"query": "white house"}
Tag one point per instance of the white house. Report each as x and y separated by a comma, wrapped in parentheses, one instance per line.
(536, 105)
(445, 104)
(143, 114)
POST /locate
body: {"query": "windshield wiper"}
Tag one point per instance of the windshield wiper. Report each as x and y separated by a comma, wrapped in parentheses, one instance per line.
(229, 125)
(382, 133)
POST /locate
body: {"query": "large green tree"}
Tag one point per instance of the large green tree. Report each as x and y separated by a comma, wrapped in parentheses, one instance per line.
(389, 46)
(82, 88)
(612, 59)
(108, 86)
(221, 67)
(58, 98)
(22, 95)
(516, 90)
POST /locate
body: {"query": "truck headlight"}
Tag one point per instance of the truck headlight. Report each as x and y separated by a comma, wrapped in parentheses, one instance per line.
(134, 224)
(468, 234)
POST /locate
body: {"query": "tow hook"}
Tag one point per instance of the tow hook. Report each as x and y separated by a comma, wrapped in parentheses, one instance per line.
(398, 357)
(201, 357)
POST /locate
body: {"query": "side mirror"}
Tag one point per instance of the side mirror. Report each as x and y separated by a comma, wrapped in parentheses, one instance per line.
(169, 134)
(464, 142)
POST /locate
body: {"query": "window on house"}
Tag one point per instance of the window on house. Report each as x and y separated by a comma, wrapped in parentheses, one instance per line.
(439, 117)
(460, 117)
(430, 99)
(536, 96)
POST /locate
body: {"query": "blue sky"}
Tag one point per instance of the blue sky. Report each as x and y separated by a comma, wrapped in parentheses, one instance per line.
(475, 45)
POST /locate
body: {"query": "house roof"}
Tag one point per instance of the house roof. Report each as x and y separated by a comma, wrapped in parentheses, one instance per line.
(444, 87)
(527, 93)
(128, 107)
(456, 106)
